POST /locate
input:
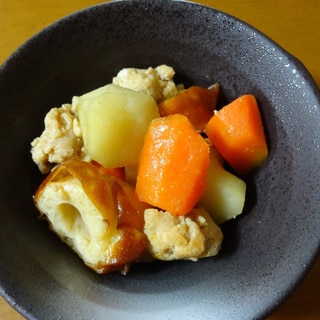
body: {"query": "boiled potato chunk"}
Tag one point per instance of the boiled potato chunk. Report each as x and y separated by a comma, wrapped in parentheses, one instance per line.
(224, 196)
(113, 122)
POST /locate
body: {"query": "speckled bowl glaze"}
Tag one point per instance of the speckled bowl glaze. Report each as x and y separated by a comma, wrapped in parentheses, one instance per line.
(266, 252)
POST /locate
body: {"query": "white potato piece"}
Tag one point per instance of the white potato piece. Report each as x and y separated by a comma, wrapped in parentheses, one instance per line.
(113, 122)
(225, 193)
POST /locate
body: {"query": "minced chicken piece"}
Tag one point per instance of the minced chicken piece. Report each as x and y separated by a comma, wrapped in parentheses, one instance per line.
(58, 142)
(188, 237)
(156, 82)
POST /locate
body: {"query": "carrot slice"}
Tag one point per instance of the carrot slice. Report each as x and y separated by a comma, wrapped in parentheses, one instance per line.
(237, 132)
(173, 165)
(196, 103)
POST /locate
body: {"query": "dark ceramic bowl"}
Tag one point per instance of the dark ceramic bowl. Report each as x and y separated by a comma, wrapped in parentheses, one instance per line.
(266, 252)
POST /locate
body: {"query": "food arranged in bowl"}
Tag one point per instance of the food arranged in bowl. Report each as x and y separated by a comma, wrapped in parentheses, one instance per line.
(264, 251)
(138, 169)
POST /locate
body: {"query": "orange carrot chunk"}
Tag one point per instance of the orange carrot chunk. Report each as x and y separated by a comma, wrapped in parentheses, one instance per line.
(173, 165)
(237, 132)
(196, 103)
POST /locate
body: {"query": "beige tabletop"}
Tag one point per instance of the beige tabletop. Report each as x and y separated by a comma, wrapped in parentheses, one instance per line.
(294, 24)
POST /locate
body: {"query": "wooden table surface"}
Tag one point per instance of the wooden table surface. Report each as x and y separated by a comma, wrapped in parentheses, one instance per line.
(294, 24)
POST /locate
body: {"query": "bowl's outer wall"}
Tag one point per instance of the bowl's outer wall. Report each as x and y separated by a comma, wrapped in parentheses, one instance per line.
(265, 252)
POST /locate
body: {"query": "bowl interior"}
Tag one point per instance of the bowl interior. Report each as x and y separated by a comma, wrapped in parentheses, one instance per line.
(265, 252)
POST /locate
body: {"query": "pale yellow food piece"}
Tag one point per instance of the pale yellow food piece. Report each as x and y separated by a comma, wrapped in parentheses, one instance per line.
(77, 221)
(98, 216)
(157, 82)
(187, 237)
(225, 193)
(114, 121)
(58, 142)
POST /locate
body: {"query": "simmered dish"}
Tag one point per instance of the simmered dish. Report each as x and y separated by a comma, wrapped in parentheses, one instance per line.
(135, 169)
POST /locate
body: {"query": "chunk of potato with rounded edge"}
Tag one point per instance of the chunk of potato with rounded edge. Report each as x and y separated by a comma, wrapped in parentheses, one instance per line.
(225, 193)
(114, 121)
